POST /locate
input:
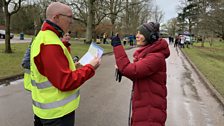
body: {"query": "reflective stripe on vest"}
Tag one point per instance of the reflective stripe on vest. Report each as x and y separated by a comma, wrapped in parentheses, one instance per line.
(42, 85)
(27, 80)
(57, 103)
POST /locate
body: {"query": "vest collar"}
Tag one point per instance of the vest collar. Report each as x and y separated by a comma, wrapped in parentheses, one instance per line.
(48, 25)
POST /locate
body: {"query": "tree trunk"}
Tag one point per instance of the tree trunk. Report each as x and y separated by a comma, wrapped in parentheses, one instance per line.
(1, 13)
(190, 26)
(202, 44)
(7, 33)
(37, 25)
(127, 17)
(113, 18)
(89, 27)
(203, 41)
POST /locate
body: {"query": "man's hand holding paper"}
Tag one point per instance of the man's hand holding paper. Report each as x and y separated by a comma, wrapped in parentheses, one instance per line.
(95, 62)
(92, 56)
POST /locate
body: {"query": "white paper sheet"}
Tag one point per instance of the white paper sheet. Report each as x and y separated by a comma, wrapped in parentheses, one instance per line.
(94, 50)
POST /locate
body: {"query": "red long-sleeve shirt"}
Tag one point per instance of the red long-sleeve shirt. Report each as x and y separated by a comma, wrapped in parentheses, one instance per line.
(52, 63)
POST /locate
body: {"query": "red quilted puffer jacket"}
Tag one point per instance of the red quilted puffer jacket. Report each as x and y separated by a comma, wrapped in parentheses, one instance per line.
(148, 73)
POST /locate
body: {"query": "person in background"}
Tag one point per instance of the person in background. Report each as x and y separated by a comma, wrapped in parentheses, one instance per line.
(54, 77)
(26, 66)
(148, 74)
(125, 41)
(170, 41)
(131, 40)
(177, 41)
(104, 38)
(66, 40)
(187, 41)
(182, 41)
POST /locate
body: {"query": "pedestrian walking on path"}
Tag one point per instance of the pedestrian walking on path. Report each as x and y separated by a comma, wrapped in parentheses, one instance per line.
(148, 73)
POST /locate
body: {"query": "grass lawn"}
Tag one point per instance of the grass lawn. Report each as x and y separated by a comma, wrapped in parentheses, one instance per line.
(210, 61)
(80, 49)
(10, 64)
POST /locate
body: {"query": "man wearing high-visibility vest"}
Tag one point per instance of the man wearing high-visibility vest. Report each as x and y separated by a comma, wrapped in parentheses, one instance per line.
(54, 78)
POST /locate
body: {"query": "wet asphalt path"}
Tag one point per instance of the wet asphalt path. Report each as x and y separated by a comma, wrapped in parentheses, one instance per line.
(17, 40)
(105, 102)
(190, 103)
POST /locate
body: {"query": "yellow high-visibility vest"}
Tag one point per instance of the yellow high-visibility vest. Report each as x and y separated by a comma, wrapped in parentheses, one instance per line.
(27, 80)
(48, 101)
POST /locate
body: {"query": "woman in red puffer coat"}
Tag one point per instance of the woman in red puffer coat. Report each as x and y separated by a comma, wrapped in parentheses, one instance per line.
(148, 73)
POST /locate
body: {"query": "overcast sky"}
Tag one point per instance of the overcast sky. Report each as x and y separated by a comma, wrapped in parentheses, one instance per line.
(168, 7)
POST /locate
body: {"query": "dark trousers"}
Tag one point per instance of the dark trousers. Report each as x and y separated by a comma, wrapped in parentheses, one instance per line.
(104, 40)
(67, 120)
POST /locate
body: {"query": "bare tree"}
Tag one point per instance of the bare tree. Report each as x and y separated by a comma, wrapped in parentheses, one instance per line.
(89, 13)
(180, 18)
(171, 26)
(90, 20)
(115, 7)
(216, 22)
(28, 19)
(10, 7)
(1, 13)
(39, 12)
(126, 17)
(80, 10)
(139, 12)
(1, 3)
(136, 12)
(157, 14)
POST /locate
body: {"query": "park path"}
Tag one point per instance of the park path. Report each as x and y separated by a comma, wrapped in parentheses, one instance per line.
(105, 102)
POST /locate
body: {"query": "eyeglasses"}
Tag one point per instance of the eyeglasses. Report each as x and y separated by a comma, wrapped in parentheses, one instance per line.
(70, 17)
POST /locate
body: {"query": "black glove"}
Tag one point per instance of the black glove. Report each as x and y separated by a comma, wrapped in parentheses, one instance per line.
(118, 75)
(115, 41)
